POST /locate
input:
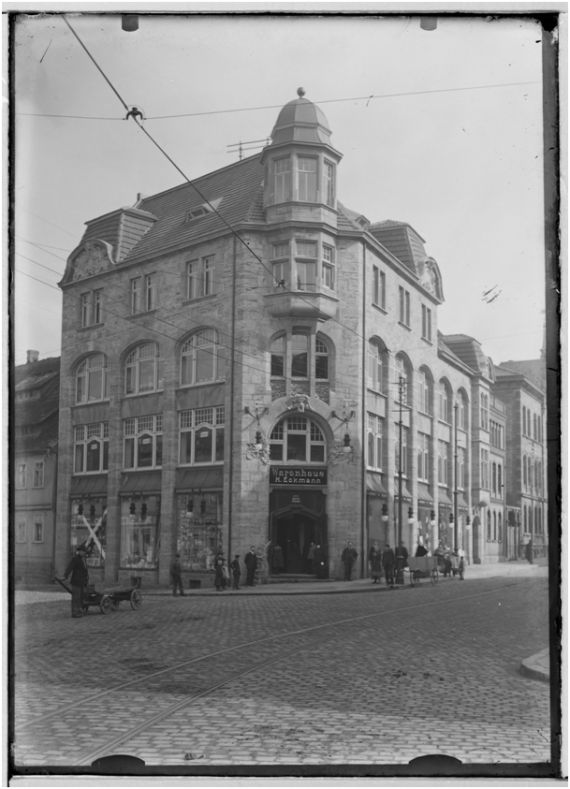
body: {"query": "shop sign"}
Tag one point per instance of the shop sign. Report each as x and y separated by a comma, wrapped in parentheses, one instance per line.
(290, 475)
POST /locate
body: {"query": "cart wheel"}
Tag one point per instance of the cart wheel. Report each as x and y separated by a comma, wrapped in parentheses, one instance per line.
(136, 599)
(106, 604)
(116, 604)
(434, 577)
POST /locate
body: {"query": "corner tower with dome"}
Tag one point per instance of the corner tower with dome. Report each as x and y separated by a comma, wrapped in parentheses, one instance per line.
(237, 354)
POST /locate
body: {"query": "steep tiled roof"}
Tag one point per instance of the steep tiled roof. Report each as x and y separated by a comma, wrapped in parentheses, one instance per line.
(402, 241)
(39, 368)
(344, 221)
(238, 186)
(442, 346)
(42, 411)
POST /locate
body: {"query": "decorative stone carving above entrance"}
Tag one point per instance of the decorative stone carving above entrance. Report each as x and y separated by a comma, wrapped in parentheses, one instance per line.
(299, 402)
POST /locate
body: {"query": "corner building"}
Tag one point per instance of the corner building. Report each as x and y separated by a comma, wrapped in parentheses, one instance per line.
(247, 361)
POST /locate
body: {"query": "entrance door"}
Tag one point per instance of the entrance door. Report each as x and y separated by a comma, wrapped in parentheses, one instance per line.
(295, 533)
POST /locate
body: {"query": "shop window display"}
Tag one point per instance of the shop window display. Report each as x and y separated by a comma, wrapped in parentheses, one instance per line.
(88, 527)
(199, 530)
(140, 532)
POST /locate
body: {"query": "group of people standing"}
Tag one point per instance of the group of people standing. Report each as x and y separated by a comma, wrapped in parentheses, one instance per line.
(387, 562)
(222, 573)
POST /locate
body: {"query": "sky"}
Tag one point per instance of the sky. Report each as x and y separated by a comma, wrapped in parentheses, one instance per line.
(458, 160)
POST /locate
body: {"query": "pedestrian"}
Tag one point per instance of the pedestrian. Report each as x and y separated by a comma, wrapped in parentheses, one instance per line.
(77, 568)
(375, 560)
(311, 558)
(236, 572)
(388, 561)
(401, 560)
(219, 574)
(528, 552)
(277, 561)
(250, 562)
(348, 558)
(176, 575)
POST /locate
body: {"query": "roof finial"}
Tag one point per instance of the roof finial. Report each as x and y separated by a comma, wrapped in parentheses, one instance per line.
(300, 92)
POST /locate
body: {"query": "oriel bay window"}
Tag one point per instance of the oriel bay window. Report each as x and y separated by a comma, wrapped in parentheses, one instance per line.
(307, 179)
(375, 448)
(304, 360)
(202, 359)
(202, 435)
(282, 179)
(143, 442)
(280, 262)
(297, 438)
(144, 369)
(91, 379)
(306, 265)
(140, 532)
(91, 448)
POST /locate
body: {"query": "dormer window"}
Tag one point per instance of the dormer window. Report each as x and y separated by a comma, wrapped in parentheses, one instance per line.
(203, 210)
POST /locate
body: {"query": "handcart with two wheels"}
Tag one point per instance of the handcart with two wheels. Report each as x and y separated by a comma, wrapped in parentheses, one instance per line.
(110, 599)
(423, 567)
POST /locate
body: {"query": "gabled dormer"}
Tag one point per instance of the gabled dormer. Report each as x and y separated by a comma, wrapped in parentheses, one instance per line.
(300, 166)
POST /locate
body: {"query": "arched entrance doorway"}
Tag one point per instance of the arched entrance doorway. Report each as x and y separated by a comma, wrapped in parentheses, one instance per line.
(298, 529)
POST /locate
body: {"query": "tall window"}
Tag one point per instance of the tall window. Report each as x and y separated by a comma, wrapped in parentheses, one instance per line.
(321, 360)
(136, 296)
(426, 323)
(375, 433)
(202, 435)
(38, 527)
(463, 413)
(91, 379)
(91, 454)
(499, 480)
(144, 369)
(39, 474)
(306, 265)
(143, 442)
(444, 402)
(442, 462)
(524, 471)
(528, 422)
(302, 362)
(21, 476)
(150, 292)
(488, 524)
(375, 366)
(484, 411)
(401, 452)
(297, 438)
(423, 457)
(485, 468)
(424, 392)
(307, 179)
(329, 183)
(300, 356)
(494, 478)
(461, 465)
(524, 420)
(91, 308)
(200, 277)
(401, 372)
(21, 535)
(202, 359)
(282, 170)
(494, 525)
(328, 267)
(277, 353)
(378, 287)
(404, 306)
(499, 527)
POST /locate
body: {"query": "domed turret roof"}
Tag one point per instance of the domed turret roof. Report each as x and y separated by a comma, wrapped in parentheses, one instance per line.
(301, 121)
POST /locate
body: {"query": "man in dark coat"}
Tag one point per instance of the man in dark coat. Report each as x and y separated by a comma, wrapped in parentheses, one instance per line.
(401, 562)
(250, 561)
(529, 552)
(77, 568)
(236, 572)
(176, 575)
(348, 558)
(388, 562)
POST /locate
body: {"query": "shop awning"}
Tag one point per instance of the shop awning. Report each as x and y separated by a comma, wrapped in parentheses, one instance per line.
(374, 484)
(443, 498)
(89, 485)
(142, 482)
(200, 479)
(424, 494)
(462, 503)
(406, 495)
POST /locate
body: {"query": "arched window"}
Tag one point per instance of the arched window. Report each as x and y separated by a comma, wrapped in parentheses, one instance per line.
(375, 366)
(402, 371)
(444, 397)
(425, 391)
(299, 439)
(494, 525)
(299, 355)
(91, 379)
(202, 359)
(375, 434)
(143, 369)
(463, 413)
(321, 360)
(500, 527)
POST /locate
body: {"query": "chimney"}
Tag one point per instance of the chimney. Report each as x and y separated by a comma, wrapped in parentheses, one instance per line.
(33, 356)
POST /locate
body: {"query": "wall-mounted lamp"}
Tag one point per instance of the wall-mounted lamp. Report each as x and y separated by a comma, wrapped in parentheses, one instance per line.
(468, 522)
(80, 509)
(432, 518)
(410, 515)
(258, 441)
(258, 412)
(345, 418)
(144, 510)
(132, 508)
(451, 519)
(385, 513)
(347, 449)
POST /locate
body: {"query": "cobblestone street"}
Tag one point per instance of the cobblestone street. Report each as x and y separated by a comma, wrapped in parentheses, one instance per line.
(374, 678)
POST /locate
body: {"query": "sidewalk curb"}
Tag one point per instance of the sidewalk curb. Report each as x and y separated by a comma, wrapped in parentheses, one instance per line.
(537, 666)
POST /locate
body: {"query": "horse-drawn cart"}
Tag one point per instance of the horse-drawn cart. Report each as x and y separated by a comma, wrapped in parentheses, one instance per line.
(110, 599)
(423, 567)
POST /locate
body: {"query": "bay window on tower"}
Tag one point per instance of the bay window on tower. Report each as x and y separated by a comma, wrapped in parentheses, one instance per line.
(298, 356)
(282, 179)
(307, 179)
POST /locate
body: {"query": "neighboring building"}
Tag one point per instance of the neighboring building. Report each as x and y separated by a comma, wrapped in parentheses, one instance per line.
(225, 391)
(36, 405)
(518, 385)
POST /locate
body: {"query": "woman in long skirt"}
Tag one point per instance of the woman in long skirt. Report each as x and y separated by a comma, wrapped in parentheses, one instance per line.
(375, 559)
